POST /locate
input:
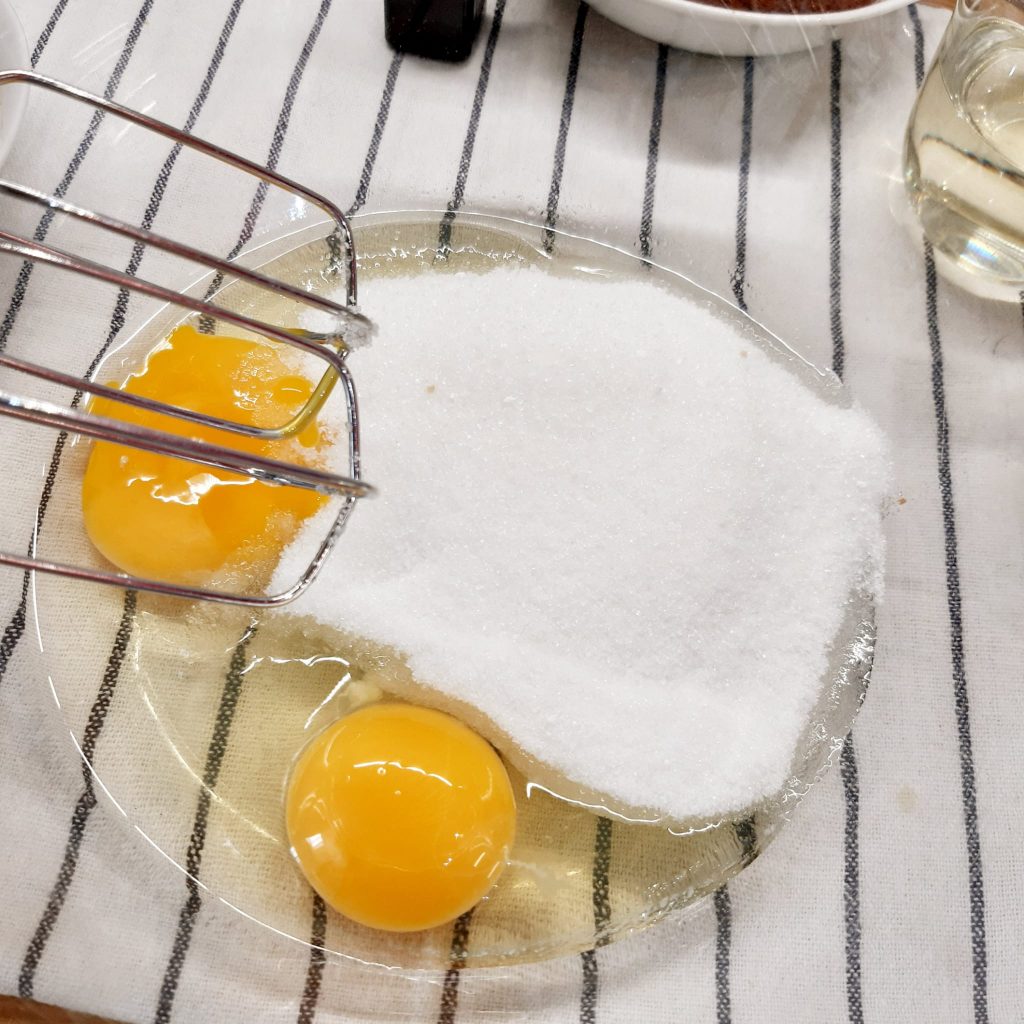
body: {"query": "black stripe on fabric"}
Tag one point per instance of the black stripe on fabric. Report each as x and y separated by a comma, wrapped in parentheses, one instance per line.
(745, 829)
(589, 993)
(460, 935)
(915, 21)
(961, 702)
(600, 896)
(281, 128)
(229, 696)
(653, 145)
(851, 881)
(273, 154)
(723, 941)
(43, 227)
(561, 141)
(739, 274)
(44, 36)
(456, 958)
(835, 205)
(317, 959)
(459, 192)
(378, 133)
(197, 840)
(600, 888)
(16, 627)
(848, 755)
(84, 806)
(600, 882)
(746, 833)
(156, 197)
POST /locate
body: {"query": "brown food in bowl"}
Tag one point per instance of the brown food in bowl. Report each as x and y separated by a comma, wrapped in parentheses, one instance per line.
(788, 6)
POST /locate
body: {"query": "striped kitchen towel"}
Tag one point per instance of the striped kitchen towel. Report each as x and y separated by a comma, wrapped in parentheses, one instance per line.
(895, 893)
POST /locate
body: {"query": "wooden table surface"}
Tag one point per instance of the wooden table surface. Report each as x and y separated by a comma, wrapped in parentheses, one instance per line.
(23, 1011)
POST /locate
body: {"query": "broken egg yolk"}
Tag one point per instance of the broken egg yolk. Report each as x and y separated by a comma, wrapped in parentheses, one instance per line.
(400, 817)
(182, 522)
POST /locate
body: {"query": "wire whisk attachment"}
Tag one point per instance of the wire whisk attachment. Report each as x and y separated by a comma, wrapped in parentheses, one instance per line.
(211, 302)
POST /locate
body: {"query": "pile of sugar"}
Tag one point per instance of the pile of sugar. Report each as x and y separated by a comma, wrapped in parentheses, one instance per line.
(607, 521)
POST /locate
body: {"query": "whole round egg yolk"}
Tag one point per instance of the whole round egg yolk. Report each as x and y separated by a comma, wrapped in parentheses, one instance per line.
(178, 521)
(400, 817)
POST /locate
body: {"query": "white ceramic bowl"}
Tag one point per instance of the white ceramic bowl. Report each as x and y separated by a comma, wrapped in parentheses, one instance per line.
(703, 28)
(13, 56)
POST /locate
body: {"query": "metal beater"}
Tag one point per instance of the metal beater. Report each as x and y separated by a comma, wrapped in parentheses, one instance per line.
(331, 347)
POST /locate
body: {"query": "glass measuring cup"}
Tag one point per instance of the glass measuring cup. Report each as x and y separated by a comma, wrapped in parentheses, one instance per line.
(964, 149)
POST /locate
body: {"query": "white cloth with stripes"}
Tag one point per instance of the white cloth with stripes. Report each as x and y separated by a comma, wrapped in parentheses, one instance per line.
(900, 883)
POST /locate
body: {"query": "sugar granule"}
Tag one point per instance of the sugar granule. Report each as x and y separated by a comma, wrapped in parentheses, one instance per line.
(607, 521)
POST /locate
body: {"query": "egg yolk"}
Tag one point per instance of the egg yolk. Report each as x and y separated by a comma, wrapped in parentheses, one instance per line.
(183, 522)
(400, 817)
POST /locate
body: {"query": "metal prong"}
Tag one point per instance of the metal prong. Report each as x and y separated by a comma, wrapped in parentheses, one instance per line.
(103, 428)
(40, 253)
(331, 346)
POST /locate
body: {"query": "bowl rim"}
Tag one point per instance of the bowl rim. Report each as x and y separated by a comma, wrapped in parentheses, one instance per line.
(710, 12)
(855, 669)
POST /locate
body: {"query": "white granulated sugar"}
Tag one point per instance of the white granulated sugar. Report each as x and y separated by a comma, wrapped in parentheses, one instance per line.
(609, 522)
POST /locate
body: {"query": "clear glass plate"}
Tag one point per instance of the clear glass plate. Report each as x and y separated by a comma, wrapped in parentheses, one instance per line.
(205, 709)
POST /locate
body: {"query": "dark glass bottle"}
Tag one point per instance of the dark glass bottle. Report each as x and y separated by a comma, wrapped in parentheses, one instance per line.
(441, 29)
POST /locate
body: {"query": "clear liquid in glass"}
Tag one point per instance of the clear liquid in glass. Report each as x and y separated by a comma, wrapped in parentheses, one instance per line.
(964, 162)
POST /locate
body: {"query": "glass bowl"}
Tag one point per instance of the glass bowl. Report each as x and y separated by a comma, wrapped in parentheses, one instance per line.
(203, 708)
(727, 32)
